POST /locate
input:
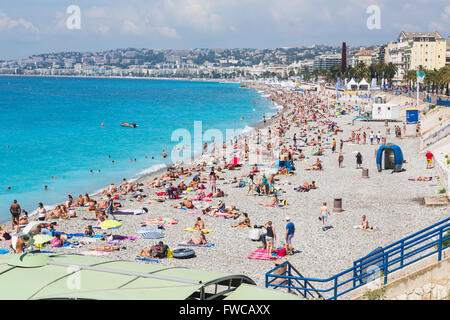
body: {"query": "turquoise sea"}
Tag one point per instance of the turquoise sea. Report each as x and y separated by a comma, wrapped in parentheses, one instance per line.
(52, 127)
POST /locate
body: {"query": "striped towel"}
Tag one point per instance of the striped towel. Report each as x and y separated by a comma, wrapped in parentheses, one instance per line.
(261, 254)
(208, 245)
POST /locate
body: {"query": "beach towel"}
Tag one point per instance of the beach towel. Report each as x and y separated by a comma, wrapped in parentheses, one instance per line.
(4, 251)
(193, 212)
(152, 235)
(144, 259)
(261, 254)
(110, 224)
(208, 245)
(160, 221)
(195, 230)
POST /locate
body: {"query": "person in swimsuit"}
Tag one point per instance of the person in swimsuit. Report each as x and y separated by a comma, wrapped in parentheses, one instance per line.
(41, 212)
(271, 236)
(212, 180)
(197, 241)
(199, 224)
(15, 213)
(4, 234)
(324, 213)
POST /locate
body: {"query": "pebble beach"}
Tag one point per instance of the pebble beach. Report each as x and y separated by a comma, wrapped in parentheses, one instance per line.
(389, 200)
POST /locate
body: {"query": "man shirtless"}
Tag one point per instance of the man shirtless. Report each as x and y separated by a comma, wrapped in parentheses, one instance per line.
(15, 213)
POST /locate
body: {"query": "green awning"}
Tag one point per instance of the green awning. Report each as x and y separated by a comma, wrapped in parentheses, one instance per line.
(249, 292)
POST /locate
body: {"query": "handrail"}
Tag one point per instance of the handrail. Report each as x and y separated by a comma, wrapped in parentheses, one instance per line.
(387, 260)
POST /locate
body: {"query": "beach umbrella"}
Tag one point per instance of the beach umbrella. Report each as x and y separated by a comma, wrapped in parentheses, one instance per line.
(109, 224)
(30, 226)
(40, 239)
(152, 235)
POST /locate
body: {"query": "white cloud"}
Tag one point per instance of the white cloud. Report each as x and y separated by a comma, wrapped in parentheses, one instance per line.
(7, 23)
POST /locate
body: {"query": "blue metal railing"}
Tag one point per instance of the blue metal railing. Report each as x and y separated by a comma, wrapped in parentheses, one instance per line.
(379, 263)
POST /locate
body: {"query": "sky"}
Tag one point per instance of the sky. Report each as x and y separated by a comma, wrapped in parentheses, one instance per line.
(30, 27)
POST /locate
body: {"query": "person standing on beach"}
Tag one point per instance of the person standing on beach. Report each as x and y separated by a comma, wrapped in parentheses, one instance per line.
(290, 230)
(378, 137)
(371, 138)
(341, 146)
(324, 213)
(340, 160)
(15, 213)
(358, 160)
(271, 236)
(430, 157)
(110, 207)
(333, 148)
(212, 180)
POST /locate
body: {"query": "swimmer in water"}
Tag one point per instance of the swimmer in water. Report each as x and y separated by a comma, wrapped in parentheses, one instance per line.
(164, 154)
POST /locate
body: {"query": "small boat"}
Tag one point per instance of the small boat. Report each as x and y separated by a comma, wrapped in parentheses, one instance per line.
(129, 125)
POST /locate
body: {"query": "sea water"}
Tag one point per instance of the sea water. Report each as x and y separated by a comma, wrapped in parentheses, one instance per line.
(51, 131)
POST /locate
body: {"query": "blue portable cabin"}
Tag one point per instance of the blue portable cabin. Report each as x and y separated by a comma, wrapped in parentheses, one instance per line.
(393, 158)
(412, 115)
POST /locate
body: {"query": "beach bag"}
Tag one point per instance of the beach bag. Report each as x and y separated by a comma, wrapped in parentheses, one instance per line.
(169, 253)
(281, 252)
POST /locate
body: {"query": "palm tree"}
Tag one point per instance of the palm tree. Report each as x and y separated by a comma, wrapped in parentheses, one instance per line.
(361, 71)
(410, 77)
(390, 71)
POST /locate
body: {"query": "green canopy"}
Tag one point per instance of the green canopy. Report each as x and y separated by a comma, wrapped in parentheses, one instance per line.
(248, 292)
(71, 276)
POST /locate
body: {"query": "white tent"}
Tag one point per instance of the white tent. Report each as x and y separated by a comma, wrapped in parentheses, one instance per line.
(352, 85)
(363, 85)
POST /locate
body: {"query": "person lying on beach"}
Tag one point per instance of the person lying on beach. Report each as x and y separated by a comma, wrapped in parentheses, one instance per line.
(186, 203)
(283, 171)
(111, 190)
(420, 178)
(88, 231)
(5, 235)
(87, 199)
(198, 241)
(244, 223)
(255, 169)
(304, 187)
(316, 166)
(219, 194)
(199, 224)
(275, 202)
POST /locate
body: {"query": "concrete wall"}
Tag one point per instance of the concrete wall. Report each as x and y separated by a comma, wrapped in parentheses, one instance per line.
(427, 279)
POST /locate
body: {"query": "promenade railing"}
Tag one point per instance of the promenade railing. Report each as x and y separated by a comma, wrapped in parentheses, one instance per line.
(375, 266)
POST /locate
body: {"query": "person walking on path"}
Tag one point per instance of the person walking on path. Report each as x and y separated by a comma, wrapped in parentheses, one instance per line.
(212, 180)
(110, 207)
(15, 213)
(324, 213)
(359, 160)
(430, 157)
(340, 160)
(290, 230)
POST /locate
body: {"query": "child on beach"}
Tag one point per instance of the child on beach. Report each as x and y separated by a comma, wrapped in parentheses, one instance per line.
(324, 213)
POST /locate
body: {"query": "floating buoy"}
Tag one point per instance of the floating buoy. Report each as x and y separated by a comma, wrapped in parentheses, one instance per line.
(103, 124)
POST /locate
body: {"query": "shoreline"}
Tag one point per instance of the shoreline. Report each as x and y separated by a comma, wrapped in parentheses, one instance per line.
(125, 77)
